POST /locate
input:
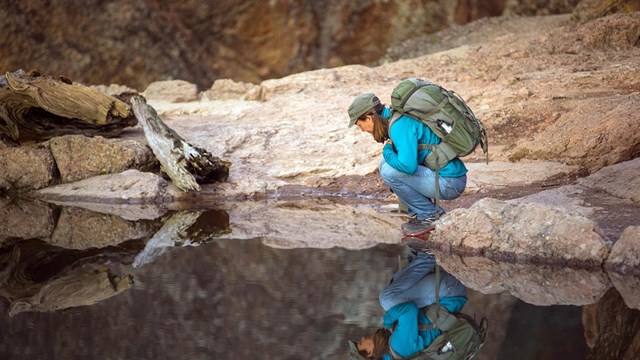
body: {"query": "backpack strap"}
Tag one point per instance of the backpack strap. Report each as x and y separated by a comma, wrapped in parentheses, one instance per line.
(394, 355)
(441, 318)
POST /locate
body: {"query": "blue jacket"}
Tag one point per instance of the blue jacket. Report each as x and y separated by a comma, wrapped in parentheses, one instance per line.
(406, 340)
(406, 133)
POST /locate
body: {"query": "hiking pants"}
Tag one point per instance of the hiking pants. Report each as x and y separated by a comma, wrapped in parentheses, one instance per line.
(417, 283)
(418, 191)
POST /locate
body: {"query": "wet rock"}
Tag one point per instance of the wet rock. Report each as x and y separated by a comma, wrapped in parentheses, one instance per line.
(523, 232)
(625, 254)
(25, 219)
(621, 180)
(79, 157)
(16, 176)
(171, 91)
(128, 187)
(535, 284)
(82, 229)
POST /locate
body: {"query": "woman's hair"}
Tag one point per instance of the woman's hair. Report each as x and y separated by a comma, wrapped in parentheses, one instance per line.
(380, 343)
(380, 124)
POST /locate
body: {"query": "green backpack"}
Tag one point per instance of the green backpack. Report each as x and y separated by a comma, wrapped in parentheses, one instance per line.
(461, 337)
(445, 113)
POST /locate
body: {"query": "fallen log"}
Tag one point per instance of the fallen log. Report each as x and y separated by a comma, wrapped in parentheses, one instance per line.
(34, 107)
(185, 164)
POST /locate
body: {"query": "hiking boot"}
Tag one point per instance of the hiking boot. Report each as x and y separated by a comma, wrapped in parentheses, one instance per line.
(414, 251)
(415, 227)
(418, 247)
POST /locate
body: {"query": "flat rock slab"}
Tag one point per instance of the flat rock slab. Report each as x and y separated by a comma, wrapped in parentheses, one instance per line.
(127, 187)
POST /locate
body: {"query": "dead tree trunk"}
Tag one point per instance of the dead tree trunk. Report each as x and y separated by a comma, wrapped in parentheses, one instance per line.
(34, 107)
(185, 164)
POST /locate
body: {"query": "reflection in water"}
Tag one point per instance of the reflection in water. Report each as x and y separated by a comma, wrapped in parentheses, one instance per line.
(534, 284)
(185, 228)
(240, 299)
(423, 315)
(36, 275)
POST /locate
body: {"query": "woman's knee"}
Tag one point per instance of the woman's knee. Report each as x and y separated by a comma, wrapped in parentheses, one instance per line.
(388, 174)
(454, 188)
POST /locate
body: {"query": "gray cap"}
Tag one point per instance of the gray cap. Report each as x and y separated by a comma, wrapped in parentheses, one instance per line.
(353, 352)
(360, 106)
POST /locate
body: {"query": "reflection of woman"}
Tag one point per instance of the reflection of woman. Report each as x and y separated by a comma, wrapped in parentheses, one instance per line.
(411, 289)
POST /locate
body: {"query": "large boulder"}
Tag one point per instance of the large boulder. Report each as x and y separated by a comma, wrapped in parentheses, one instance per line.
(524, 232)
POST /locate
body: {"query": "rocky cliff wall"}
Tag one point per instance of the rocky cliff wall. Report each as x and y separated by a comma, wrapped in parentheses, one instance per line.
(136, 43)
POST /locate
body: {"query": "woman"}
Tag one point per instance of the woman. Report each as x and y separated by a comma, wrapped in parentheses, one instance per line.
(410, 290)
(402, 166)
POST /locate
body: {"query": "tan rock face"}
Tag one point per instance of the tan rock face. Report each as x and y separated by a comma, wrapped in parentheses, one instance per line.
(621, 180)
(78, 157)
(580, 137)
(172, 91)
(25, 168)
(128, 187)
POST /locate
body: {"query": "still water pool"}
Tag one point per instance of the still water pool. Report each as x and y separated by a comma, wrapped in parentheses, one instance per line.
(164, 298)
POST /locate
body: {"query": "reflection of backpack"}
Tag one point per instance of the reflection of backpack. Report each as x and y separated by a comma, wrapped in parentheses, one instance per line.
(461, 337)
(445, 113)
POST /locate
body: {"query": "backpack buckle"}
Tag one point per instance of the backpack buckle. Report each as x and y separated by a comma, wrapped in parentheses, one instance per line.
(446, 348)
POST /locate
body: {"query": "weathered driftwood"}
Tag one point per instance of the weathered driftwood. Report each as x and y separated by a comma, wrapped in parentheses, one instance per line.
(185, 164)
(34, 107)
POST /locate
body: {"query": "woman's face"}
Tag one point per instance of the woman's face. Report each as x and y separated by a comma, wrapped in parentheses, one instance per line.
(366, 344)
(366, 124)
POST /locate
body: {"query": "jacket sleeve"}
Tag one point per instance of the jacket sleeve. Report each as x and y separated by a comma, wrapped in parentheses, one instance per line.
(404, 339)
(403, 155)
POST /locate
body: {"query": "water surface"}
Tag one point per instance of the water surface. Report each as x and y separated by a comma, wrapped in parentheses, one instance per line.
(195, 292)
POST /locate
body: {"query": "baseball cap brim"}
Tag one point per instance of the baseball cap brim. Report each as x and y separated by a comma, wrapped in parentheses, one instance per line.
(353, 352)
